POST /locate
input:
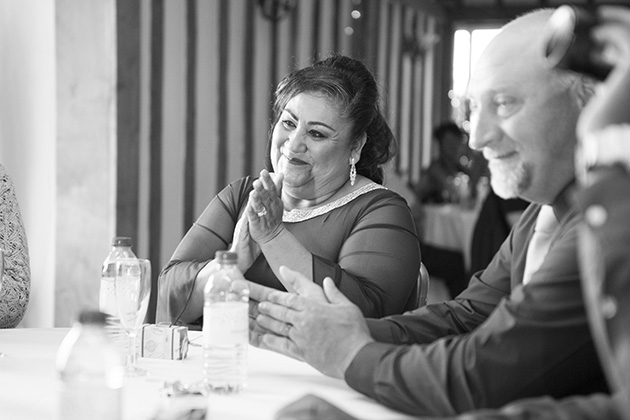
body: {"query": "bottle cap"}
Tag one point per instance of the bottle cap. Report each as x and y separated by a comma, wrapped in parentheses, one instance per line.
(92, 317)
(121, 241)
(226, 256)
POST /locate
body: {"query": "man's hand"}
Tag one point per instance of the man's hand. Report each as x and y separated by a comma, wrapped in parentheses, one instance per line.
(294, 282)
(324, 329)
(257, 293)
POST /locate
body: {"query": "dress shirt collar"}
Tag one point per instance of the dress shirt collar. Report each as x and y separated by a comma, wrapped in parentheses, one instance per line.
(565, 200)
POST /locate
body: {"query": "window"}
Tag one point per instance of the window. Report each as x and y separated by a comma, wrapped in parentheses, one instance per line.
(468, 46)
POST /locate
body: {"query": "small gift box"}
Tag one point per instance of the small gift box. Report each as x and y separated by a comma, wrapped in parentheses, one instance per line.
(164, 341)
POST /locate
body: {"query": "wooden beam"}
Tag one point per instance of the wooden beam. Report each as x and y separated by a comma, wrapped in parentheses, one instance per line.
(191, 115)
(155, 143)
(128, 117)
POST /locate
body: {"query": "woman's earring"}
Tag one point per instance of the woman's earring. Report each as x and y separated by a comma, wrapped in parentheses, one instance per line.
(353, 172)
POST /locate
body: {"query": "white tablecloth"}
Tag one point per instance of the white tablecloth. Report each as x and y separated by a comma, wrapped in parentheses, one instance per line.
(450, 227)
(28, 383)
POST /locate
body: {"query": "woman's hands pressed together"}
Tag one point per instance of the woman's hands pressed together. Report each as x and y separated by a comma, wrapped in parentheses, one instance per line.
(260, 222)
(265, 208)
(244, 246)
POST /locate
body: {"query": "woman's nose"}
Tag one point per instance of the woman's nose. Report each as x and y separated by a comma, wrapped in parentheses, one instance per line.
(295, 141)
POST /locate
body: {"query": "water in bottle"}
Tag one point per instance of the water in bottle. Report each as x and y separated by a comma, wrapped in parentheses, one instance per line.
(90, 372)
(121, 249)
(225, 327)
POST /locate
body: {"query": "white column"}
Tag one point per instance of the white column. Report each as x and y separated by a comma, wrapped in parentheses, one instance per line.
(86, 151)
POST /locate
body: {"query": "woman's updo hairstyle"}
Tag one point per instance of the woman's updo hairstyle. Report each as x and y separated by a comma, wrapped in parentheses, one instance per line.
(352, 87)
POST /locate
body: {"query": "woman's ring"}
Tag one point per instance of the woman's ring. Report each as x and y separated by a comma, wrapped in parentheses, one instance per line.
(262, 212)
(287, 329)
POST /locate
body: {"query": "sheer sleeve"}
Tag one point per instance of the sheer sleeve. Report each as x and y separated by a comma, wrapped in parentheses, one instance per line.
(378, 264)
(368, 247)
(16, 276)
(212, 231)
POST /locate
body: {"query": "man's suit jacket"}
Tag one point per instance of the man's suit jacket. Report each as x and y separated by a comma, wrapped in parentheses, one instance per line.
(497, 342)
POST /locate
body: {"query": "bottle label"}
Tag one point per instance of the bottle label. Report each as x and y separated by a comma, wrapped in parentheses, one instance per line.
(107, 296)
(225, 324)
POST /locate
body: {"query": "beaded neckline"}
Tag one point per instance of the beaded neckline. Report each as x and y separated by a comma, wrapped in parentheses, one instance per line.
(300, 215)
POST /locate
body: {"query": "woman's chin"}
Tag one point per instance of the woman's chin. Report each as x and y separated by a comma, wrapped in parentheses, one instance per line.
(291, 183)
(292, 179)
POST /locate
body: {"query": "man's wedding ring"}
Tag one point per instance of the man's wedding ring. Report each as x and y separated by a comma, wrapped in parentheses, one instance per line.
(262, 212)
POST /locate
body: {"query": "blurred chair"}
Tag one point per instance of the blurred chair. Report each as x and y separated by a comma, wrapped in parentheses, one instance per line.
(423, 285)
(447, 265)
(418, 297)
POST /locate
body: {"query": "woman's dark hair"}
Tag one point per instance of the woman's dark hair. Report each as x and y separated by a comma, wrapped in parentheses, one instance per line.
(352, 87)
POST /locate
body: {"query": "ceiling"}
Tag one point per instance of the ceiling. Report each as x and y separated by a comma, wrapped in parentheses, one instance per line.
(503, 10)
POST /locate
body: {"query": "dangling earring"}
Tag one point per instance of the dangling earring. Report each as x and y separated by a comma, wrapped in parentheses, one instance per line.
(353, 172)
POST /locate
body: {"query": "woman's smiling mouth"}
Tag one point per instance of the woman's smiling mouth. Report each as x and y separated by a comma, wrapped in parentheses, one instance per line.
(294, 161)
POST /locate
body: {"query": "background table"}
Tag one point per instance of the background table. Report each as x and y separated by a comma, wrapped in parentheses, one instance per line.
(449, 226)
(28, 383)
(446, 232)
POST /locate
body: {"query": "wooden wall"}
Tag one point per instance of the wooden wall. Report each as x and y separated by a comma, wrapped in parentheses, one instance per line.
(196, 107)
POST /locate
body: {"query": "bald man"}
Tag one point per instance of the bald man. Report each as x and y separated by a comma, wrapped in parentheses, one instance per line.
(520, 329)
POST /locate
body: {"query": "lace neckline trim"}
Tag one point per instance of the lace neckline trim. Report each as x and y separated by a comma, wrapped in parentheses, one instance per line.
(300, 215)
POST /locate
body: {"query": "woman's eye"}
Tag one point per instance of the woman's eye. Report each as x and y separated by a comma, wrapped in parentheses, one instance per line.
(288, 124)
(317, 134)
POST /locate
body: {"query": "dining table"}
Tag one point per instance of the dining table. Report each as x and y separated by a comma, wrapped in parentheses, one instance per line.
(29, 384)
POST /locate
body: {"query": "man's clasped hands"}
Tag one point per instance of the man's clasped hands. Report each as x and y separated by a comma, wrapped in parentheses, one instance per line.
(318, 325)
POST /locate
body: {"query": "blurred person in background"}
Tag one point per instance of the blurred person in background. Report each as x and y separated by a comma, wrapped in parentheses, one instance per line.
(450, 179)
(453, 174)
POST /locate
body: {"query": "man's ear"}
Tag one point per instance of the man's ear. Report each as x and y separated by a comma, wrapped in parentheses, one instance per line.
(584, 90)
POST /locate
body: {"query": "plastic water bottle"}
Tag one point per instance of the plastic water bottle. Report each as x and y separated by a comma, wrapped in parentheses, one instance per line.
(121, 249)
(225, 327)
(90, 372)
